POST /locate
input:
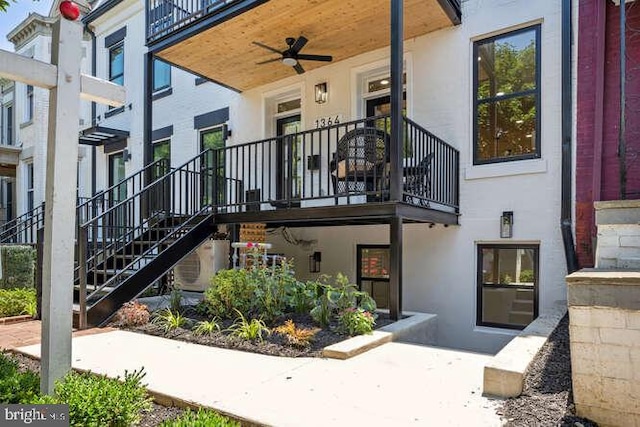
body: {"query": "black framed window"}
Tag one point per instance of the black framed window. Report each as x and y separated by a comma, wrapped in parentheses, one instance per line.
(507, 285)
(28, 113)
(507, 97)
(30, 187)
(161, 75)
(214, 139)
(116, 63)
(373, 272)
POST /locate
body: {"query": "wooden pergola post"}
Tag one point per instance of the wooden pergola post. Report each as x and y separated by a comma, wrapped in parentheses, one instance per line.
(395, 235)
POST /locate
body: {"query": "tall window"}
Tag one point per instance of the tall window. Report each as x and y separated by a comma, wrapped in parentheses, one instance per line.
(211, 139)
(507, 97)
(116, 64)
(161, 75)
(7, 125)
(28, 111)
(373, 272)
(507, 285)
(30, 187)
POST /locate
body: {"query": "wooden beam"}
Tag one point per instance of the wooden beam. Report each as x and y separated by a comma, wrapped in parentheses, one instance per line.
(27, 70)
(102, 92)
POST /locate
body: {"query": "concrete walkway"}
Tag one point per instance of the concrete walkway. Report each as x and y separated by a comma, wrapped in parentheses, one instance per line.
(395, 384)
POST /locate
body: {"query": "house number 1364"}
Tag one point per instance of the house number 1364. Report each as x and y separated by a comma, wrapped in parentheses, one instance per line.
(323, 122)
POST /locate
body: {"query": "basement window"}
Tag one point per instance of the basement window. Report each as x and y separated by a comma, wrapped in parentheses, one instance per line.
(507, 285)
(373, 272)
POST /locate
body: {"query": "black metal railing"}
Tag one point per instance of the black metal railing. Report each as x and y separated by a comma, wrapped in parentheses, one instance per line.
(166, 16)
(24, 228)
(122, 238)
(346, 163)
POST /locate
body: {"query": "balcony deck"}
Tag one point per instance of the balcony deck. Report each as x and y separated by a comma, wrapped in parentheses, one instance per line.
(338, 175)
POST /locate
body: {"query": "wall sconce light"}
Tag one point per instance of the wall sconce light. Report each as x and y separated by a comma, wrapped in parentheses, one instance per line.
(506, 225)
(126, 155)
(314, 262)
(321, 93)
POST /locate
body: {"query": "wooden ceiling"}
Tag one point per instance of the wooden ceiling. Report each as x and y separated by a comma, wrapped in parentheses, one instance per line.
(341, 28)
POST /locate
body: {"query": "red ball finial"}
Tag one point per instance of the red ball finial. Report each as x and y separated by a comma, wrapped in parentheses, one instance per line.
(69, 10)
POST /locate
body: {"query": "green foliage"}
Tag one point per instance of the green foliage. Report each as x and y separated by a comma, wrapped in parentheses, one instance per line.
(168, 320)
(14, 302)
(15, 386)
(175, 301)
(202, 418)
(206, 327)
(230, 290)
(338, 297)
(18, 266)
(132, 313)
(99, 401)
(4, 5)
(526, 276)
(249, 330)
(275, 288)
(298, 337)
(356, 321)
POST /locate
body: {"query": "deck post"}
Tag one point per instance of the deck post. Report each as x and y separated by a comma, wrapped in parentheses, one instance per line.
(397, 46)
(395, 278)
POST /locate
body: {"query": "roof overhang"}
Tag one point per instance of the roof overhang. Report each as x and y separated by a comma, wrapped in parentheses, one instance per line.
(99, 135)
(222, 50)
(9, 159)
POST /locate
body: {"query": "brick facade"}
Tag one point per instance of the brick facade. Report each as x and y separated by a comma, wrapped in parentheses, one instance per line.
(589, 158)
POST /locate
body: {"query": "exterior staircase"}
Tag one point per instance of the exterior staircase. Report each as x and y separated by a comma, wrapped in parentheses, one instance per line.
(618, 245)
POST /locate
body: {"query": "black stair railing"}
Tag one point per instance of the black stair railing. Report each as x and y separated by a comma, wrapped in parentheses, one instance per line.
(24, 228)
(123, 238)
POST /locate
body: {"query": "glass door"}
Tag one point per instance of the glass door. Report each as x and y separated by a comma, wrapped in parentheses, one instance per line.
(117, 194)
(373, 272)
(289, 160)
(213, 138)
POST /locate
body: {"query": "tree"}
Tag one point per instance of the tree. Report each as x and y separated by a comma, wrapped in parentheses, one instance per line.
(4, 5)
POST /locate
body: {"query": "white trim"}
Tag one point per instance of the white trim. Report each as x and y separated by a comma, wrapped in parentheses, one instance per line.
(506, 30)
(502, 169)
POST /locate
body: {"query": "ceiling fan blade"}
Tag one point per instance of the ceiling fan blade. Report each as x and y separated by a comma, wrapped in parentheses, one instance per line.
(324, 58)
(299, 44)
(298, 68)
(268, 61)
(264, 46)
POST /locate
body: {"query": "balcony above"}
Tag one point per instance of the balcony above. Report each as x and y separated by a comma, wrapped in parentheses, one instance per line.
(213, 38)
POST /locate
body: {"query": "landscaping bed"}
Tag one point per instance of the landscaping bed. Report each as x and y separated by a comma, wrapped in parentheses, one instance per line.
(88, 399)
(546, 399)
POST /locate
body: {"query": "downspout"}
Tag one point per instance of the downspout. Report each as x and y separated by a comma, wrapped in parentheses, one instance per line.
(622, 144)
(567, 160)
(93, 108)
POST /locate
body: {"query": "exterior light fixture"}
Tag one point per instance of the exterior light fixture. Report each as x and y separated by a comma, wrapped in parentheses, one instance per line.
(314, 262)
(321, 93)
(506, 225)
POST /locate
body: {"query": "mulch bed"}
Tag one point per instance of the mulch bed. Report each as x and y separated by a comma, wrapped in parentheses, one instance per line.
(154, 417)
(273, 344)
(547, 398)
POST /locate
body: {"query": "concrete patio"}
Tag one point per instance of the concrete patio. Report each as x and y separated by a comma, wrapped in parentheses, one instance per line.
(395, 384)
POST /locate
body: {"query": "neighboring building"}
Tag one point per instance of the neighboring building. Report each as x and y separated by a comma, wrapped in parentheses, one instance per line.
(483, 77)
(598, 163)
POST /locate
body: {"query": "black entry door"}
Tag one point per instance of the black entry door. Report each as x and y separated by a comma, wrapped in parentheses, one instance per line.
(289, 160)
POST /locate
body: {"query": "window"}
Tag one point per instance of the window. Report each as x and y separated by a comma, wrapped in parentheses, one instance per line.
(507, 285)
(507, 97)
(213, 138)
(30, 191)
(28, 108)
(7, 125)
(161, 151)
(116, 64)
(373, 272)
(161, 75)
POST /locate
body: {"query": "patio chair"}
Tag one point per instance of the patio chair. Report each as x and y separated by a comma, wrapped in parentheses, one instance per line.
(418, 179)
(359, 164)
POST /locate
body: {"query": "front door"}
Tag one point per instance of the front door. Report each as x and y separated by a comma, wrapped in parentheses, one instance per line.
(117, 218)
(214, 139)
(289, 160)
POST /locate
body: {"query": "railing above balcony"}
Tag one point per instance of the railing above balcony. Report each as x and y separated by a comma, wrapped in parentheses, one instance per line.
(166, 16)
(343, 164)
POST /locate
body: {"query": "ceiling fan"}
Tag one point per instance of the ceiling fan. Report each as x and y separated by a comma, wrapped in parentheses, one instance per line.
(291, 55)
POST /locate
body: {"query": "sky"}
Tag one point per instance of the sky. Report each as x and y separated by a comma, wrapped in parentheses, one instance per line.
(16, 13)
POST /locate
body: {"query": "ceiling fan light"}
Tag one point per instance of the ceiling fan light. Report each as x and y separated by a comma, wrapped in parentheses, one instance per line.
(291, 62)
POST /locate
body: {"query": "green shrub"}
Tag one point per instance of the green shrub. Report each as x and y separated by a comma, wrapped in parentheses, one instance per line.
(15, 386)
(201, 418)
(18, 266)
(248, 330)
(99, 401)
(356, 321)
(14, 302)
(526, 276)
(334, 297)
(168, 320)
(229, 290)
(206, 327)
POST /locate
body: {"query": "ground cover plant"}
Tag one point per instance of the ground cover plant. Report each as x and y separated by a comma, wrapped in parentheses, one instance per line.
(202, 418)
(17, 301)
(265, 309)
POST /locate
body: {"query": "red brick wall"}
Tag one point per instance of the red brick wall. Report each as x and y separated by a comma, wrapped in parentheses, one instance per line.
(587, 83)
